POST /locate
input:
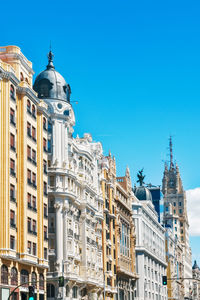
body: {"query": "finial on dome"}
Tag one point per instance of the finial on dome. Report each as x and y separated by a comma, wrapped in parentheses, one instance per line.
(50, 59)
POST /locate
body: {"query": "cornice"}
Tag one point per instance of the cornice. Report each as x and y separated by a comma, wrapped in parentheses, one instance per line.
(8, 76)
(29, 93)
(19, 57)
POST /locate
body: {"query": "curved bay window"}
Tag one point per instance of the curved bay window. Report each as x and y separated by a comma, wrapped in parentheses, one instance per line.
(24, 278)
(4, 274)
(34, 278)
(14, 276)
(50, 290)
(41, 282)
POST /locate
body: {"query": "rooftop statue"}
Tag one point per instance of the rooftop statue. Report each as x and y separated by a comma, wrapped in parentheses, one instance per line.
(140, 177)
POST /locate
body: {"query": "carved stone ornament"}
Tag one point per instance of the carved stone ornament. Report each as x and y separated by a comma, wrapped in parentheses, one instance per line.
(56, 205)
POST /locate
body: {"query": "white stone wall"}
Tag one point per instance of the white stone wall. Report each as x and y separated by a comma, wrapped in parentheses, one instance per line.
(75, 231)
(150, 252)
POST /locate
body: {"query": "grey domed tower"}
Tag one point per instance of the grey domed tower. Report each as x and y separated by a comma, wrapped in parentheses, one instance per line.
(53, 89)
(49, 84)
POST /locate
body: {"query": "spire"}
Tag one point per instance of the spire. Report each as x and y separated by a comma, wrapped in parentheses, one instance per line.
(50, 59)
(171, 152)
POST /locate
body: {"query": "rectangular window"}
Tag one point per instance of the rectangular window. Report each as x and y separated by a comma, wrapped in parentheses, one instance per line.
(44, 145)
(29, 176)
(45, 211)
(45, 188)
(180, 204)
(180, 211)
(33, 133)
(34, 249)
(29, 247)
(12, 192)
(12, 218)
(34, 179)
(45, 166)
(12, 116)
(34, 202)
(12, 167)
(28, 129)
(44, 123)
(174, 203)
(34, 226)
(12, 242)
(45, 253)
(12, 142)
(29, 225)
(29, 200)
(166, 208)
(28, 152)
(45, 232)
(34, 156)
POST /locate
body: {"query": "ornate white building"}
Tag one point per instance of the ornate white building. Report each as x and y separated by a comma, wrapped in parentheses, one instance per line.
(75, 197)
(150, 248)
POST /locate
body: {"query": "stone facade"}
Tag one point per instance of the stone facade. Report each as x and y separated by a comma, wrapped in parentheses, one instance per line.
(23, 179)
(175, 217)
(150, 251)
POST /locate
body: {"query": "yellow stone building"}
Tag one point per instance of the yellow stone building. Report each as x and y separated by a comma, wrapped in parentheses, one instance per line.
(118, 234)
(23, 179)
(125, 239)
(108, 232)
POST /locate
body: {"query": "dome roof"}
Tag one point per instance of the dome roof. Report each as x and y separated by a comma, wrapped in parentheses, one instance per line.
(195, 266)
(142, 193)
(49, 84)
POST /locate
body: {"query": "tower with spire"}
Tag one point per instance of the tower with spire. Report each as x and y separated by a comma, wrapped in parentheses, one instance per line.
(175, 212)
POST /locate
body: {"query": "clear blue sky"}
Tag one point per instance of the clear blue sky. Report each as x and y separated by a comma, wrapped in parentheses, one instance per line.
(132, 65)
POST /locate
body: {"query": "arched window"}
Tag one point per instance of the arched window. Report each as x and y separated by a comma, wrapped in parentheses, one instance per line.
(21, 77)
(12, 91)
(28, 105)
(43, 88)
(41, 282)
(67, 290)
(34, 278)
(50, 290)
(33, 111)
(75, 292)
(4, 274)
(24, 278)
(14, 276)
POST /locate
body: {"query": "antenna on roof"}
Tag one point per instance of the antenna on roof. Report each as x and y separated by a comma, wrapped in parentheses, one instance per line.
(171, 151)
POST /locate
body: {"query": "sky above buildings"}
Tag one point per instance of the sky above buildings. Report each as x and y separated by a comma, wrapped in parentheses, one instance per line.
(133, 67)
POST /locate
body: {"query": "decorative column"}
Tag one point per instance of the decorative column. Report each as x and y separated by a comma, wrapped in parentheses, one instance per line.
(59, 235)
